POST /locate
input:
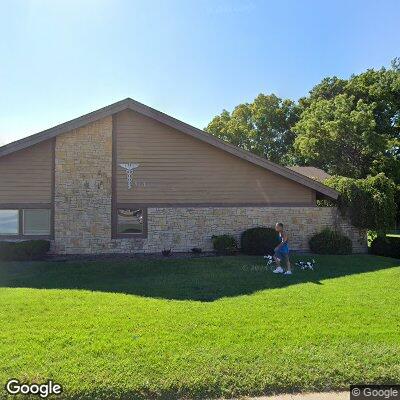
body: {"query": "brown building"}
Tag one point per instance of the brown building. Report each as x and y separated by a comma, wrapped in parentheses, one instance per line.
(128, 178)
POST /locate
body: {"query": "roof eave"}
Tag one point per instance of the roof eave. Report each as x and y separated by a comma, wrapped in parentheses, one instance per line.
(159, 116)
(206, 137)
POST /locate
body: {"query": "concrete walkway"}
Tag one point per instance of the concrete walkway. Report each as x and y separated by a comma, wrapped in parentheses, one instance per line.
(306, 396)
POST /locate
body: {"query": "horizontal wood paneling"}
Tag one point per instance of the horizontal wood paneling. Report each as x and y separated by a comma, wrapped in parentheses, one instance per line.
(26, 175)
(177, 168)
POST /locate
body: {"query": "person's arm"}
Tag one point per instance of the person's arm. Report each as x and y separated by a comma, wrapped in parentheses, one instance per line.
(284, 240)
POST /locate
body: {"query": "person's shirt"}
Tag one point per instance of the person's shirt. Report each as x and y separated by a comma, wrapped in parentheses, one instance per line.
(285, 247)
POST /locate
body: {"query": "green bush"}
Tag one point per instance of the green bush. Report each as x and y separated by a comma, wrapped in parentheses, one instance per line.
(386, 246)
(224, 244)
(369, 203)
(330, 242)
(259, 241)
(23, 251)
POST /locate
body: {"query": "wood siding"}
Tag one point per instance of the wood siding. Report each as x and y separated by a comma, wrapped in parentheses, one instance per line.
(178, 169)
(26, 175)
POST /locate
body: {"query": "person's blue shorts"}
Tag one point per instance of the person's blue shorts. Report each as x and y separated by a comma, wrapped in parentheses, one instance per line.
(283, 256)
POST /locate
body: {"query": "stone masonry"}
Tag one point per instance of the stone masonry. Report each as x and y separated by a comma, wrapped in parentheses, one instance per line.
(83, 170)
(83, 208)
(184, 228)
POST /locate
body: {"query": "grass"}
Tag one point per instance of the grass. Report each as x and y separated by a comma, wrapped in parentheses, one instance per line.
(201, 327)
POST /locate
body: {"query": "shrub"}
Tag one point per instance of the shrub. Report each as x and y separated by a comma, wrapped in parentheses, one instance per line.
(23, 251)
(166, 252)
(330, 242)
(259, 241)
(197, 250)
(386, 246)
(369, 203)
(224, 244)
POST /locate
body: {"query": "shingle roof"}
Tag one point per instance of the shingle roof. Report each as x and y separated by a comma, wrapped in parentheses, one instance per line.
(312, 172)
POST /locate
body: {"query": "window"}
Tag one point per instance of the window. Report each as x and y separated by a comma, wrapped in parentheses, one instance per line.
(36, 222)
(131, 221)
(9, 222)
(27, 222)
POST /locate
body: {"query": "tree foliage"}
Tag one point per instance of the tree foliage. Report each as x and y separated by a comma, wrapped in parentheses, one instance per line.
(361, 115)
(345, 126)
(263, 127)
(369, 203)
(339, 135)
(348, 127)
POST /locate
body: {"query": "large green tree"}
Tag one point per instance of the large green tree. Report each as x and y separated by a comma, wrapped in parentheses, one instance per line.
(339, 135)
(346, 126)
(352, 127)
(263, 127)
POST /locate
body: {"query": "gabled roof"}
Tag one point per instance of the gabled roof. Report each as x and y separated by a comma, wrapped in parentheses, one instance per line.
(312, 172)
(130, 104)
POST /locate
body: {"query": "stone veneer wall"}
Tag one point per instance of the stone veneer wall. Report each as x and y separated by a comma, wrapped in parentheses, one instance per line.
(184, 228)
(82, 193)
(83, 208)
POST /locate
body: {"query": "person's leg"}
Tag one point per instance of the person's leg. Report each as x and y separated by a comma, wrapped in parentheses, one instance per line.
(277, 258)
(288, 266)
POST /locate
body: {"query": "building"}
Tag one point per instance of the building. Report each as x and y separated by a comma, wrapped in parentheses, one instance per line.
(317, 174)
(128, 178)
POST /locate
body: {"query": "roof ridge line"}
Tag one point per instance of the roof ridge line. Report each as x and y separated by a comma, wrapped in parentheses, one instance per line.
(129, 103)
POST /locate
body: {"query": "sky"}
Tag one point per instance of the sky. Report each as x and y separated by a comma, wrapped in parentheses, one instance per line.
(190, 59)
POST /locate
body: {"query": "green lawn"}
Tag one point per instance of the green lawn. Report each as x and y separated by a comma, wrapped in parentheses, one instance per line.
(200, 327)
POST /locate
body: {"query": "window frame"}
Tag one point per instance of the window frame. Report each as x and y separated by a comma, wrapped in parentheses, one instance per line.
(117, 235)
(20, 208)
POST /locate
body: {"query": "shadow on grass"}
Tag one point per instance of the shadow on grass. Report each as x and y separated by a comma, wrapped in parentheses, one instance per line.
(201, 279)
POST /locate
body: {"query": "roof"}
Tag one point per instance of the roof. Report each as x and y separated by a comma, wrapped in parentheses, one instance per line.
(130, 104)
(312, 172)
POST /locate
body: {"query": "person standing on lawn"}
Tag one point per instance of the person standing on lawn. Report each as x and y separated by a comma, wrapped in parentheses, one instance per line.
(282, 252)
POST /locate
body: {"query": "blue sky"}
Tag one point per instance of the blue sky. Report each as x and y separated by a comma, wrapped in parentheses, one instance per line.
(191, 59)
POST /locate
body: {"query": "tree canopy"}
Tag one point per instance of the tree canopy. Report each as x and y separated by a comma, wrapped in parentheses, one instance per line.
(263, 127)
(345, 126)
(339, 135)
(348, 127)
(360, 116)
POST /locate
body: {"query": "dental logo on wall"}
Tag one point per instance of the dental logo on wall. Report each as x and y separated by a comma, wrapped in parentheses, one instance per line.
(129, 169)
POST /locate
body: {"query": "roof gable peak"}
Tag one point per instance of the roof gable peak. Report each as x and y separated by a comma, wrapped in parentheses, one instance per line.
(129, 103)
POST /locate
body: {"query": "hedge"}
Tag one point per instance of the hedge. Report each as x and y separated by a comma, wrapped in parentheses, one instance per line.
(23, 251)
(386, 246)
(259, 241)
(224, 244)
(330, 242)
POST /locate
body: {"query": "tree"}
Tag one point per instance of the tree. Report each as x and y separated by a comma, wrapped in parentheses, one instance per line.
(339, 135)
(263, 127)
(327, 89)
(344, 126)
(375, 90)
(369, 203)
